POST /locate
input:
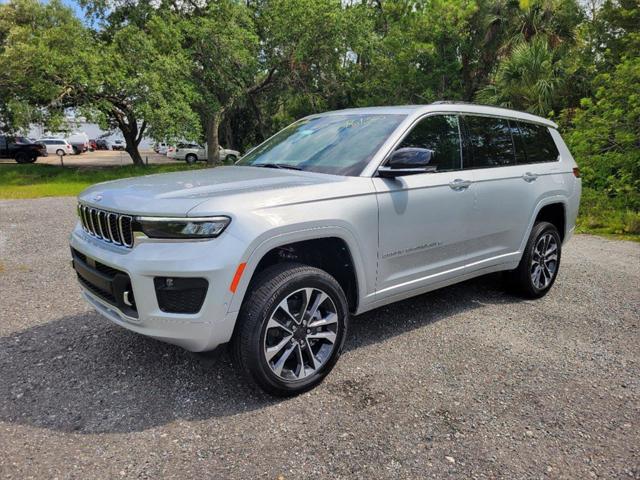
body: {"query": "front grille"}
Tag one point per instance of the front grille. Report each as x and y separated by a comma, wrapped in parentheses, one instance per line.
(111, 227)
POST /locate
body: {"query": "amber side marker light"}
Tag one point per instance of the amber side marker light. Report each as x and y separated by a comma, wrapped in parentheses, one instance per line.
(576, 172)
(237, 277)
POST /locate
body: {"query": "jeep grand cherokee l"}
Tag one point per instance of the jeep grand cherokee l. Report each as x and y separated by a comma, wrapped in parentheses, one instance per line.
(335, 215)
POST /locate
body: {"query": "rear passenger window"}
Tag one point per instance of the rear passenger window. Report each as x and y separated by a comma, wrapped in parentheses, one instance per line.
(538, 143)
(489, 143)
(439, 133)
(3, 141)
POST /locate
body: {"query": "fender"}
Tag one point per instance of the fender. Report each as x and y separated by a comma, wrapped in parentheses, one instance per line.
(532, 218)
(255, 253)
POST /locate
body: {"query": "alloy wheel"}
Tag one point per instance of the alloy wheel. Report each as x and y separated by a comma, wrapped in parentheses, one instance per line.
(301, 334)
(544, 261)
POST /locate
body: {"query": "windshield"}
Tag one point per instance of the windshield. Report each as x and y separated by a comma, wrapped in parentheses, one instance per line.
(336, 144)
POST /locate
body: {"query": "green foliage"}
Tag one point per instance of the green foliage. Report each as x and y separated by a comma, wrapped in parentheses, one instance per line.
(41, 63)
(602, 214)
(605, 134)
(529, 79)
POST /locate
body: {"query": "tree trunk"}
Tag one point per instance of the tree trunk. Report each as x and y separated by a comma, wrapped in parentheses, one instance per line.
(128, 125)
(132, 146)
(213, 142)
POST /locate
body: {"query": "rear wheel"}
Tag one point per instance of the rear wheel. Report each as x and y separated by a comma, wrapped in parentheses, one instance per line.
(24, 157)
(60, 152)
(231, 158)
(291, 328)
(191, 158)
(540, 262)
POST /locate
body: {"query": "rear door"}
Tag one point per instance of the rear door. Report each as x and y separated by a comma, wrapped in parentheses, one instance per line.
(506, 189)
(424, 218)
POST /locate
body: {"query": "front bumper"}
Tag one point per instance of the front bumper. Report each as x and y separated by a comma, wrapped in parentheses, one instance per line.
(211, 326)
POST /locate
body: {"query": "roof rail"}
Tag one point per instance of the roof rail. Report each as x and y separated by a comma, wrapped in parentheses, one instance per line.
(460, 102)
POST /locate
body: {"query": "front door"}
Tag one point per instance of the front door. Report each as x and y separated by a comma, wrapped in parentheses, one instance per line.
(423, 227)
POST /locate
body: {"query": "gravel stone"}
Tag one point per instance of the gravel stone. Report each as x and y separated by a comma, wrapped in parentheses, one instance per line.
(509, 388)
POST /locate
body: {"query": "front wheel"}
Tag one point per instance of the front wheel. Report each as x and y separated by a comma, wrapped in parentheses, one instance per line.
(191, 159)
(291, 328)
(540, 261)
(231, 159)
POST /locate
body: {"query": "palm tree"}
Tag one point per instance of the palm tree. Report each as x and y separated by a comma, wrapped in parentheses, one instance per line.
(527, 80)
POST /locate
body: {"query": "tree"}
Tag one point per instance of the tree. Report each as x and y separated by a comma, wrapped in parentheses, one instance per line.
(605, 134)
(130, 78)
(45, 54)
(222, 46)
(141, 84)
(529, 79)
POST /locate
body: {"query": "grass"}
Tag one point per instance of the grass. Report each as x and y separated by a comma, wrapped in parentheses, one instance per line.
(599, 214)
(35, 181)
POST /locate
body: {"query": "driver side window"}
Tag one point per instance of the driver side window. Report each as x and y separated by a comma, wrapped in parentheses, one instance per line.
(441, 135)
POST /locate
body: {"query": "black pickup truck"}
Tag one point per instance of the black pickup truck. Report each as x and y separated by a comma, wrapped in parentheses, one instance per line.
(21, 149)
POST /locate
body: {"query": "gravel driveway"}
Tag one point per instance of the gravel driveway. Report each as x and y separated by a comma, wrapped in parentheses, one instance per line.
(466, 382)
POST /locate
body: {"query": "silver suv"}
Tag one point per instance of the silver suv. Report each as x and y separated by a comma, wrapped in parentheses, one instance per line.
(335, 215)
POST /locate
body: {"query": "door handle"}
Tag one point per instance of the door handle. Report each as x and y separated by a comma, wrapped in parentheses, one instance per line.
(529, 177)
(459, 184)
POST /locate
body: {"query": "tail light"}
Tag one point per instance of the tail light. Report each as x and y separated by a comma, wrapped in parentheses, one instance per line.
(576, 172)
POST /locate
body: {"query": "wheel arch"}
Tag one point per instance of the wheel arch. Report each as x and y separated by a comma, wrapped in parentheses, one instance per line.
(546, 209)
(333, 249)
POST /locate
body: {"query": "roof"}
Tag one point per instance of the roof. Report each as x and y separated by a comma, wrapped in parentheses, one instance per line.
(446, 106)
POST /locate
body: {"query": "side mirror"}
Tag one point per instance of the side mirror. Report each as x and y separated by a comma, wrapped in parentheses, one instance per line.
(408, 161)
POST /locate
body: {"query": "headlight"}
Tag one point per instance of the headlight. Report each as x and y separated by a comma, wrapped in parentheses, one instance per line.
(161, 227)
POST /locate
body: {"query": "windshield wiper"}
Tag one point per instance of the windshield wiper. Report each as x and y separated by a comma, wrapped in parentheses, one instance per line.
(276, 165)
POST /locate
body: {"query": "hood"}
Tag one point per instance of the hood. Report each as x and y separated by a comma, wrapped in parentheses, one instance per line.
(178, 193)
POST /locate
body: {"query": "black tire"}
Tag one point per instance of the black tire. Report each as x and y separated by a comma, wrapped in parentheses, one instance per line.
(60, 152)
(191, 158)
(521, 279)
(265, 294)
(24, 157)
(231, 159)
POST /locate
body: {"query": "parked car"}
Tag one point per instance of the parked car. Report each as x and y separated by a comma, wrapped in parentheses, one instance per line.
(161, 148)
(171, 151)
(118, 145)
(335, 215)
(92, 145)
(102, 144)
(21, 149)
(192, 152)
(56, 146)
(79, 141)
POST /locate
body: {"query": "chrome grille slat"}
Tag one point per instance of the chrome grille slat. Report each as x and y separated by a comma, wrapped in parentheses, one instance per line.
(111, 227)
(115, 237)
(83, 218)
(104, 227)
(127, 240)
(92, 226)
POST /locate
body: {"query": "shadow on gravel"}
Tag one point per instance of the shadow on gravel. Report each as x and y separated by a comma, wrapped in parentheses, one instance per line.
(82, 374)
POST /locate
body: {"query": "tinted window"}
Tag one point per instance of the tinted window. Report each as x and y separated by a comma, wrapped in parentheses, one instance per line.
(3, 141)
(489, 141)
(440, 134)
(538, 143)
